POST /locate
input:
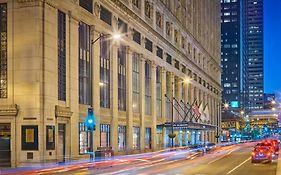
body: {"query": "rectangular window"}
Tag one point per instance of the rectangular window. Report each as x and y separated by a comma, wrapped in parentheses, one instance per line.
(136, 137)
(168, 103)
(29, 137)
(159, 52)
(147, 138)
(148, 44)
(104, 135)
(104, 73)
(50, 137)
(136, 83)
(84, 138)
(84, 64)
(121, 138)
(122, 78)
(122, 26)
(147, 87)
(3, 51)
(169, 59)
(137, 36)
(158, 91)
(105, 15)
(87, 4)
(61, 56)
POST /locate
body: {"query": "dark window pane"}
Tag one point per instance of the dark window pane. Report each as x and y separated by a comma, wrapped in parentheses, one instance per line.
(87, 4)
(159, 52)
(122, 26)
(105, 15)
(137, 37)
(148, 44)
(61, 56)
(3, 51)
(169, 59)
(84, 64)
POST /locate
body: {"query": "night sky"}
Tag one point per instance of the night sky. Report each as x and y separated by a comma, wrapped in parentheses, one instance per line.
(272, 47)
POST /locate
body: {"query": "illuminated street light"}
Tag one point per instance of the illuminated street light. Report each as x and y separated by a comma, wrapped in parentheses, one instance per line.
(273, 109)
(101, 83)
(242, 112)
(226, 105)
(116, 36)
(273, 102)
(187, 80)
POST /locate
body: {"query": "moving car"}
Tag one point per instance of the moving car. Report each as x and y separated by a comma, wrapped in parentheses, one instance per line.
(275, 145)
(261, 153)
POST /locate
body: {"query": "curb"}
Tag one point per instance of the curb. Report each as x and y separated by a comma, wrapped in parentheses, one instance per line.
(278, 171)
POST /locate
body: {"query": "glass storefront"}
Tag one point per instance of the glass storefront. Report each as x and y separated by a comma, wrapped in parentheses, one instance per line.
(121, 138)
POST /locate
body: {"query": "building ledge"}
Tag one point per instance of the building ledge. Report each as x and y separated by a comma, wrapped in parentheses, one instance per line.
(9, 110)
(61, 111)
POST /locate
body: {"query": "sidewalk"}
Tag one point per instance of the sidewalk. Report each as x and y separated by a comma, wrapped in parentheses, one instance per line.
(278, 172)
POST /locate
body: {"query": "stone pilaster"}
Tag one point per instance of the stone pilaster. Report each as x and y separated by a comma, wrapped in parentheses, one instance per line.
(163, 89)
(114, 98)
(163, 105)
(153, 106)
(142, 102)
(95, 85)
(129, 131)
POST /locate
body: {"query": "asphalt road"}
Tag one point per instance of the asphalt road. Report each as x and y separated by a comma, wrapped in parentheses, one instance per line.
(231, 160)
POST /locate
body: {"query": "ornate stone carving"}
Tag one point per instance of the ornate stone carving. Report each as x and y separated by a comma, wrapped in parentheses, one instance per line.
(61, 111)
(9, 110)
(97, 9)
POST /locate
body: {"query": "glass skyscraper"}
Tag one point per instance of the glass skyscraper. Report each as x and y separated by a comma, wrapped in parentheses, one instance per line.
(253, 57)
(230, 53)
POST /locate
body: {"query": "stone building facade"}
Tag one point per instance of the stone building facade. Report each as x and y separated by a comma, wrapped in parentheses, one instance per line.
(52, 71)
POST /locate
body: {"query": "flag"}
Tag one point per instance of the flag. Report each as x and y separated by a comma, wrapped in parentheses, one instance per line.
(207, 113)
(196, 112)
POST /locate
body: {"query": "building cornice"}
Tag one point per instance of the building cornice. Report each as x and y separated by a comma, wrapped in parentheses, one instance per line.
(9, 110)
(61, 111)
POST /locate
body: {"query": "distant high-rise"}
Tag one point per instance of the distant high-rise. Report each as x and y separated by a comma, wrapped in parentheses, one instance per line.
(253, 74)
(230, 53)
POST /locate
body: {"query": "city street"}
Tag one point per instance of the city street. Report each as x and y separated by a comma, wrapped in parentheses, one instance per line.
(234, 160)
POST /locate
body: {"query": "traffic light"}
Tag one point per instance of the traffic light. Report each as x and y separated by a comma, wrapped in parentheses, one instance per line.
(90, 120)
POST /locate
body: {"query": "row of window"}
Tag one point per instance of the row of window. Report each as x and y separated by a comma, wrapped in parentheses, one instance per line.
(105, 137)
(3, 51)
(106, 16)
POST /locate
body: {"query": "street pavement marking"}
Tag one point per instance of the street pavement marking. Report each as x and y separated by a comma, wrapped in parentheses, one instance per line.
(223, 156)
(238, 166)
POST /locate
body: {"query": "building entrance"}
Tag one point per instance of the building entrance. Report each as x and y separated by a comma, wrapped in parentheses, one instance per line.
(5, 142)
(61, 142)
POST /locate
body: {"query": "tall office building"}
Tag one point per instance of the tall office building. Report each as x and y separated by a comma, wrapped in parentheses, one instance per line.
(253, 75)
(52, 71)
(230, 53)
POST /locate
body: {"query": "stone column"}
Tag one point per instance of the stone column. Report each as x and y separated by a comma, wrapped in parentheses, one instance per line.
(114, 98)
(129, 85)
(142, 102)
(95, 86)
(153, 106)
(163, 105)
(73, 84)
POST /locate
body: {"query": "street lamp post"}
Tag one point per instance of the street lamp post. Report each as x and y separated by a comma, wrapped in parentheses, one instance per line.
(217, 135)
(90, 121)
